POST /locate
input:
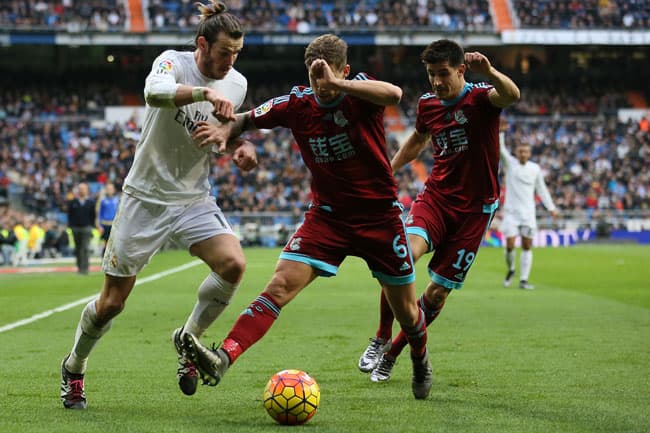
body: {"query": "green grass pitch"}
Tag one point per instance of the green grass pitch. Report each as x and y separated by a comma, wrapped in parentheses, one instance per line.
(571, 356)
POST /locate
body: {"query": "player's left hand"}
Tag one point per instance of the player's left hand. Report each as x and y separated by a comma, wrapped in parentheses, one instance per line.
(207, 134)
(245, 156)
(477, 62)
(554, 214)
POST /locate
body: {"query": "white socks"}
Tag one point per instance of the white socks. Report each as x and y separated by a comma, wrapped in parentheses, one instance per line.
(526, 259)
(214, 296)
(87, 335)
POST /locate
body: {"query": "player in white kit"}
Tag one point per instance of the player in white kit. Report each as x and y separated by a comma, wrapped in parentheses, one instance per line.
(167, 194)
(523, 179)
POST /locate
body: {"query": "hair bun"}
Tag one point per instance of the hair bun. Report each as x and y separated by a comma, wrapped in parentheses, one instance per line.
(214, 8)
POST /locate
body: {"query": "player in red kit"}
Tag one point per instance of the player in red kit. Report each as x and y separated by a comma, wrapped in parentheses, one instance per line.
(460, 196)
(338, 125)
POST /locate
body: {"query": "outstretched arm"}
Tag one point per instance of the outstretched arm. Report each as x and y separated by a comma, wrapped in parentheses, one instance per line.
(225, 138)
(222, 136)
(409, 150)
(375, 91)
(505, 91)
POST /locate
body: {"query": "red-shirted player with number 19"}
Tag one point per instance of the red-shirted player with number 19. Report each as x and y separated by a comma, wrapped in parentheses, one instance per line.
(338, 125)
(461, 194)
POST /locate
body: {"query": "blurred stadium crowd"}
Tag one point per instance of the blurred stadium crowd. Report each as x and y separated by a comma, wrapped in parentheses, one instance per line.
(590, 163)
(299, 16)
(278, 15)
(593, 162)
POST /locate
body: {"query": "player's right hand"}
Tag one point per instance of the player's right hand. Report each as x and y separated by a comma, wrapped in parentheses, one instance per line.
(322, 73)
(223, 109)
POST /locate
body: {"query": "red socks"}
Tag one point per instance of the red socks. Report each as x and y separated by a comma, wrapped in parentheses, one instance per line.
(386, 317)
(417, 336)
(430, 314)
(251, 326)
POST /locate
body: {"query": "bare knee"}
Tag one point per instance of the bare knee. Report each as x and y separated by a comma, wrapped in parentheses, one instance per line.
(278, 289)
(437, 295)
(230, 268)
(113, 297)
(108, 306)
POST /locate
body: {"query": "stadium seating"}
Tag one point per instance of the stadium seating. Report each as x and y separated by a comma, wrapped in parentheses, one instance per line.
(52, 133)
(292, 16)
(583, 14)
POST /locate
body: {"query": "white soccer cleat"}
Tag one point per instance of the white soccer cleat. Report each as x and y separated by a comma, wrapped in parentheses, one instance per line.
(383, 370)
(370, 357)
(523, 284)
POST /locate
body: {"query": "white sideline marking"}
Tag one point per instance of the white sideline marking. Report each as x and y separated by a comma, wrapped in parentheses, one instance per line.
(87, 299)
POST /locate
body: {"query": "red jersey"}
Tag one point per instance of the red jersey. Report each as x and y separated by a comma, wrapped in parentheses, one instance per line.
(342, 143)
(465, 137)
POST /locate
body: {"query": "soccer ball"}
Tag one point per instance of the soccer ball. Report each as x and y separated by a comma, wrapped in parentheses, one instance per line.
(291, 397)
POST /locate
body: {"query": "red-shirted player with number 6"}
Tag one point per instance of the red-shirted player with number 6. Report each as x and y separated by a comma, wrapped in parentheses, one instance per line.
(338, 125)
(461, 194)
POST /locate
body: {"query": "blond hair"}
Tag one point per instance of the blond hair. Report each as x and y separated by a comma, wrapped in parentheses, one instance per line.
(330, 48)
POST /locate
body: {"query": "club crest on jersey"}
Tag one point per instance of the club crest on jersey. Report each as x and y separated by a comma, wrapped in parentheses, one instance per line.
(264, 108)
(164, 67)
(460, 117)
(295, 244)
(409, 219)
(339, 118)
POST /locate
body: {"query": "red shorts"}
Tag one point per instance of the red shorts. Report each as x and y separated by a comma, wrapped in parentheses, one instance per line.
(455, 237)
(325, 238)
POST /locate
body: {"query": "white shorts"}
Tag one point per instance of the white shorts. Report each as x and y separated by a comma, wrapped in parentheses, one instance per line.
(141, 228)
(512, 226)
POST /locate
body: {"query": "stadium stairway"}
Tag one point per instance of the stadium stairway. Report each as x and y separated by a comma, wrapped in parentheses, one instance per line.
(137, 23)
(501, 14)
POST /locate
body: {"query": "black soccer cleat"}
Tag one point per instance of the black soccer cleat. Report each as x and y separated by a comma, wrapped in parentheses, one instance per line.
(211, 363)
(186, 373)
(422, 376)
(508, 279)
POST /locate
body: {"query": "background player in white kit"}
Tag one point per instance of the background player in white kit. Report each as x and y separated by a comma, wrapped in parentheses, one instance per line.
(523, 178)
(166, 193)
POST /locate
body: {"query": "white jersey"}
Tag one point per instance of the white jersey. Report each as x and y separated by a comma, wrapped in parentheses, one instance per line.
(522, 182)
(169, 168)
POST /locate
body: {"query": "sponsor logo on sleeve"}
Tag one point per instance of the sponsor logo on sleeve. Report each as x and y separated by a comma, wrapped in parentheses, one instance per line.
(263, 109)
(164, 67)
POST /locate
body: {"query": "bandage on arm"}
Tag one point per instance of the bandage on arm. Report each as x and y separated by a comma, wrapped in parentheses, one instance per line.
(160, 91)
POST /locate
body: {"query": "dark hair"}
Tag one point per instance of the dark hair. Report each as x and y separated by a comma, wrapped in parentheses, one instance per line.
(215, 19)
(443, 50)
(330, 48)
